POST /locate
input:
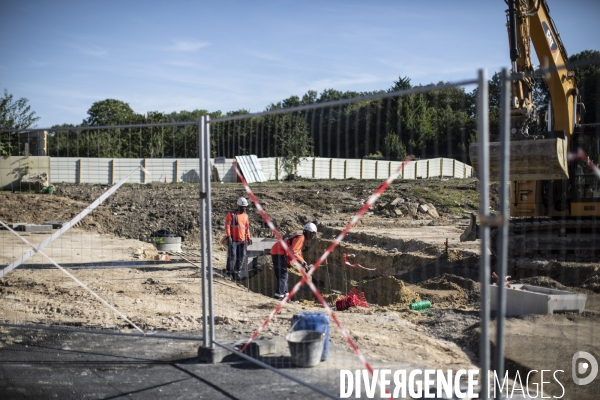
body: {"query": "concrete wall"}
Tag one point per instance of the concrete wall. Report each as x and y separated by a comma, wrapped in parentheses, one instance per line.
(106, 170)
(14, 167)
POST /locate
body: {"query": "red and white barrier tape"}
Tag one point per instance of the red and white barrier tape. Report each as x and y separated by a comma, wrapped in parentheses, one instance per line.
(346, 262)
(306, 276)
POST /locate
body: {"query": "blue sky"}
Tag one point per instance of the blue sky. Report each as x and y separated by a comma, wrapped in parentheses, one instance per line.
(228, 55)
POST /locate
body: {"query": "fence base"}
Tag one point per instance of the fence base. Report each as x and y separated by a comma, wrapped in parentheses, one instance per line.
(258, 348)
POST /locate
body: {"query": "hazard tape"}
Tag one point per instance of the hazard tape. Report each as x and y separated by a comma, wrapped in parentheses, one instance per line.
(306, 276)
(346, 262)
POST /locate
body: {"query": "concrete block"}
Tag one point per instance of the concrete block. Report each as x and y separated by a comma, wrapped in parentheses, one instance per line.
(33, 228)
(54, 224)
(258, 348)
(260, 246)
(527, 299)
(396, 201)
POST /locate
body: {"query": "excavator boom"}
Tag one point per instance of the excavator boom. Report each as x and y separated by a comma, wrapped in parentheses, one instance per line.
(540, 156)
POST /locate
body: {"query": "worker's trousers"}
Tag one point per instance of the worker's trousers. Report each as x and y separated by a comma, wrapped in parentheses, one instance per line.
(236, 256)
(280, 267)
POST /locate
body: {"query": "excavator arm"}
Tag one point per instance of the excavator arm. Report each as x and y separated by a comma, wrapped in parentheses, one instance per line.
(542, 156)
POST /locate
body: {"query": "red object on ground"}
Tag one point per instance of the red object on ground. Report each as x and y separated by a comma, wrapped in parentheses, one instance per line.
(353, 298)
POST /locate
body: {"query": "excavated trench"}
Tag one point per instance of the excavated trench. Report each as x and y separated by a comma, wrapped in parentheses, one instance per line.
(384, 267)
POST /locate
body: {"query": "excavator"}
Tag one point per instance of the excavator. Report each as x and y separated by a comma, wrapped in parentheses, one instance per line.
(554, 198)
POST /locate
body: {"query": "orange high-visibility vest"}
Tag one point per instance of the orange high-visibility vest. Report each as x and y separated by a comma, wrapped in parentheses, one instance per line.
(237, 226)
(295, 243)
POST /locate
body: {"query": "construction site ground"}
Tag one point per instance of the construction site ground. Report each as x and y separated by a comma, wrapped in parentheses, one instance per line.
(412, 244)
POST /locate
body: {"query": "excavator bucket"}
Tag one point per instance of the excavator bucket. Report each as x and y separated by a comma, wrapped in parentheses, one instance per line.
(530, 160)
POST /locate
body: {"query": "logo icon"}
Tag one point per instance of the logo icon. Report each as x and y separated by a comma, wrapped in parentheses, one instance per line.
(583, 366)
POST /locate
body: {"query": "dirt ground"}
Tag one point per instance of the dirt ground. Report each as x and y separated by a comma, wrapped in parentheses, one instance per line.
(166, 296)
(409, 239)
(135, 211)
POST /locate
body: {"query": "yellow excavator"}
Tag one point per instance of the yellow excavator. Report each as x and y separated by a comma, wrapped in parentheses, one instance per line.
(554, 202)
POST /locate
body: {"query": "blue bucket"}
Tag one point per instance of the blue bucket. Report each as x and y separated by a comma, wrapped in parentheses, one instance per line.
(313, 321)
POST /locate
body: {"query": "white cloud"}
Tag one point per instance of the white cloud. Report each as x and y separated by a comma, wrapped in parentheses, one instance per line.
(188, 45)
(94, 50)
(338, 82)
(184, 64)
(263, 55)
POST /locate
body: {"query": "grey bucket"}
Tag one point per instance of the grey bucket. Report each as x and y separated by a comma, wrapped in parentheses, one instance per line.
(167, 243)
(305, 347)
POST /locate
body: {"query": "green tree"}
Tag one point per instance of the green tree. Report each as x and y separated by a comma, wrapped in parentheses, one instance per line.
(110, 112)
(14, 114)
(394, 147)
(293, 141)
(587, 77)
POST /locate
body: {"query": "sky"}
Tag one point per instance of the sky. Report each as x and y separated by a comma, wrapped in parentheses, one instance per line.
(64, 55)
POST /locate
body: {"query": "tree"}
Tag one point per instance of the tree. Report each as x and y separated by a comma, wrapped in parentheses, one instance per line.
(110, 112)
(292, 137)
(14, 114)
(587, 78)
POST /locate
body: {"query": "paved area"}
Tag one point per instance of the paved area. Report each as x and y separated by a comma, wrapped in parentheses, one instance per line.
(59, 365)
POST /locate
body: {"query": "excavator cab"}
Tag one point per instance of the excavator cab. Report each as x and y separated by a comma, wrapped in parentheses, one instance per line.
(585, 193)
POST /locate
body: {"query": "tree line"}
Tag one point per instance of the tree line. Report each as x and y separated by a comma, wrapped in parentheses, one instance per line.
(436, 123)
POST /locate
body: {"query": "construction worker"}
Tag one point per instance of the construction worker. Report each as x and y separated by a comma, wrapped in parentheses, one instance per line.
(237, 231)
(281, 262)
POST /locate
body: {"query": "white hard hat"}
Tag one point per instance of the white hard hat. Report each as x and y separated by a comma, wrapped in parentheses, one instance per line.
(242, 202)
(310, 227)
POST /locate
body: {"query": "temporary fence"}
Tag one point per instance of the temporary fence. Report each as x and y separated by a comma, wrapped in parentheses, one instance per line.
(113, 251)
(381, 287)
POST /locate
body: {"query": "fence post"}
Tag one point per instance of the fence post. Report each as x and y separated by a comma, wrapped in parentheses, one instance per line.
(176, 172)
(80, 169)
(453, 168)
(112, 171)
(376, 167)
(362, 162)
(330, 168)
(144, 173)
(441, 168)
(277, 169)
(403, 168)
(427, 165)
(389, 169)
(345, 169)
(314, 167)
(464, 170)
(416, 169)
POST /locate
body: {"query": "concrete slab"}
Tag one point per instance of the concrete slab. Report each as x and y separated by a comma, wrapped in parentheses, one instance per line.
(527, 299)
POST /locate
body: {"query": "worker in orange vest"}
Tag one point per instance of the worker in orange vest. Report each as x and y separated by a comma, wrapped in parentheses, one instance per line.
(281, 262)
(237, 231)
